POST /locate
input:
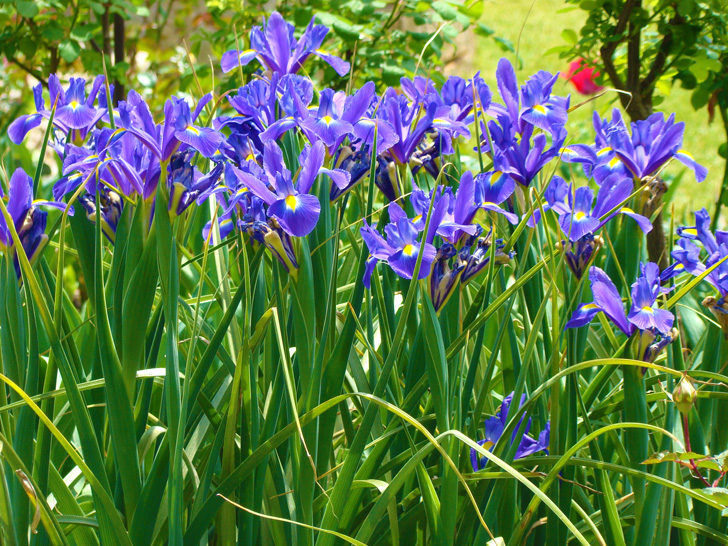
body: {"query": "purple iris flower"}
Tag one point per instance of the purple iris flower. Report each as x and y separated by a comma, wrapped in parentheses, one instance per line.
(443, 212)
(327, 122)
(401, 247)
(402, 116)
(492, 189)
(75, 112)
(494, 428)
(177, 133)
(461, 212)
(654, 325)
(652, 143)
(532, 105)
(523, 159)
(29, 220)
(276, 48)
(294, 98)
(688, 258)
(296, 210)
(580, 216)
(255, 105)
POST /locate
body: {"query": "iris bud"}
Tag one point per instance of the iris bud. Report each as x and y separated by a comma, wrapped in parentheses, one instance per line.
(684, 395)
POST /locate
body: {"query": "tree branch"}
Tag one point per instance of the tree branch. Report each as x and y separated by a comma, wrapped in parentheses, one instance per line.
(658, 66)
(624, 16)
(37, 75)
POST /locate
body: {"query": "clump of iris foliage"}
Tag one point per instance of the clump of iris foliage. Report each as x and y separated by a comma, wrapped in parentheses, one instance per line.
(304, 317)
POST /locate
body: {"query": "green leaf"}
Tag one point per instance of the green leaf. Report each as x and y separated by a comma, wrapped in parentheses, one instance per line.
(569, 36)
(26, 9)
(483, 30)
(52, 31)
(445, 10)
(719, 494)
(83, 33)
(69, 51)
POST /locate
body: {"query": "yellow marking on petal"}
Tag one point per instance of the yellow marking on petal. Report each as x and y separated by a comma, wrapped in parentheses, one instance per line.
(409, 249)
(194, 130)
(614, 162)
(487, 445)
(591, 306)
(417, 218)
(485, 203)
(686, 154)
(74, 104)
(627, 209)
(327, 120)
(250, 157)
(540, 109)
(496, 176)
(579, 215)
(322, 52)
(648, 309)
(690, 231)
(291, 202)
(604, 150)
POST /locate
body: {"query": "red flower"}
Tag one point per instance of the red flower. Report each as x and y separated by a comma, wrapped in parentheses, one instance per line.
(583, 77)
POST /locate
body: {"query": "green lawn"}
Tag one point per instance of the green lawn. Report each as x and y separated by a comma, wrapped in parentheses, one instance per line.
(540, 30)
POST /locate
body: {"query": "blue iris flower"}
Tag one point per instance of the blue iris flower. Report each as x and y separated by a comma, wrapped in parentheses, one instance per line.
(638, 153)
(652, 324)
(177, 133)
(28, 219)
(75, 113)
(494, 428)
(293, 206)
(401, 247)
(580, 218)
(533, 105)
(688, 259)
(276, 48)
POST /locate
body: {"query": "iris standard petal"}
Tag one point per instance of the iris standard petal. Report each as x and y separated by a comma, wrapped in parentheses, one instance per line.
(20, 196)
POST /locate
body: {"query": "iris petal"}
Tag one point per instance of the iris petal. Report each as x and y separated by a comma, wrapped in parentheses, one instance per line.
(297, 214)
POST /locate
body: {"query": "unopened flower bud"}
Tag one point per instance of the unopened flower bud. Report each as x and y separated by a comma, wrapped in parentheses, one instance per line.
(684, 395)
